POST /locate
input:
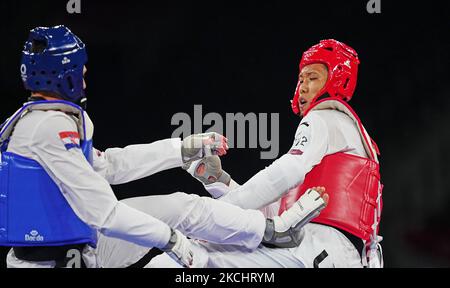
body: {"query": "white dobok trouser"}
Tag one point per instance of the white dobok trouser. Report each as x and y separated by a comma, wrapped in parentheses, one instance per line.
(193, 217)
(196, 217)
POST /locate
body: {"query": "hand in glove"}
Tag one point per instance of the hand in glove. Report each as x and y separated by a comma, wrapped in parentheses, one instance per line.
(198, 146)
(179, 248)
(208, 170)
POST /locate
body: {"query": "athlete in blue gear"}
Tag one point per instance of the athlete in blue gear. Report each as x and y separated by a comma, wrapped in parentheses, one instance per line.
(56, 194)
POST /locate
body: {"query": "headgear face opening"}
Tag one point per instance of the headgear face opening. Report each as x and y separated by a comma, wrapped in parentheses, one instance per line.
(342, 64)
(53, 59)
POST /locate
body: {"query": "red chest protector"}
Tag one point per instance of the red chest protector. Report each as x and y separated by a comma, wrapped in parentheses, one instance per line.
(352, 182)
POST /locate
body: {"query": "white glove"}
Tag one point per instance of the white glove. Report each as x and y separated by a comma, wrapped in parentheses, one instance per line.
(208, 170)
(179, 248)
(285, 231)
(198, 146)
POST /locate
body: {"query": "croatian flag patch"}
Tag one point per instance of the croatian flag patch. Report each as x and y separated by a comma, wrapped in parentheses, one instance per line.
(71, 139)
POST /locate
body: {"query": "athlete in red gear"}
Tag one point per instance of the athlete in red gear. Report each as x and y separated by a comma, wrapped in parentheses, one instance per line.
(331, 149)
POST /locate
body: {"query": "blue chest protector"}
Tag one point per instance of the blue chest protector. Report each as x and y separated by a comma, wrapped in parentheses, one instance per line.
(33, 211)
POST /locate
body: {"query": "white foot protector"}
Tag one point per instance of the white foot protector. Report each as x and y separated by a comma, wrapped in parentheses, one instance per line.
(286, 230)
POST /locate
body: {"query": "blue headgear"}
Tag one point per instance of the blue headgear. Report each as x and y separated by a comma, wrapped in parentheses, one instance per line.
(52, 60)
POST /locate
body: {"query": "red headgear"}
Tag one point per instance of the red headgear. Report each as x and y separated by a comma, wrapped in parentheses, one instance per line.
(342, 63)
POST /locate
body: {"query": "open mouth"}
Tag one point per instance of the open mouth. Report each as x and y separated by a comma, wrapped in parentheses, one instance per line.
(302, 102)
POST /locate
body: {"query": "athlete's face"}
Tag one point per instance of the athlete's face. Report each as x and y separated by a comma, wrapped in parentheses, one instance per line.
(312, 79)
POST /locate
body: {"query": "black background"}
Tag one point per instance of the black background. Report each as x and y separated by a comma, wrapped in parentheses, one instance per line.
(148, 61)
